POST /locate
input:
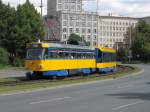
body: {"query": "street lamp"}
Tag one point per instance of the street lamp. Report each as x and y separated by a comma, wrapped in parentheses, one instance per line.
(130, 43)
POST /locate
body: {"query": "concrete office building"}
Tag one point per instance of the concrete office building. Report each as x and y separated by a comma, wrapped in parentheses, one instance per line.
(98, 30)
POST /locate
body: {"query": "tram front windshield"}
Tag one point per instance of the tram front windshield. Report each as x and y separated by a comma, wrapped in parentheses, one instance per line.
(35, 54)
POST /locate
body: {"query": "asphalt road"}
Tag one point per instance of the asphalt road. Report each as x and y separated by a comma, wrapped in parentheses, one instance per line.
(130, 94)
(12, 73)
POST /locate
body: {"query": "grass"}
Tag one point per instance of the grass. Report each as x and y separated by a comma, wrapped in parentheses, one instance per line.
(50, 83)
(9, 67)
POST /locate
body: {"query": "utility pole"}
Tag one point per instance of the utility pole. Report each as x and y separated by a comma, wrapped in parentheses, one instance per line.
(97, 11)
(41, 6)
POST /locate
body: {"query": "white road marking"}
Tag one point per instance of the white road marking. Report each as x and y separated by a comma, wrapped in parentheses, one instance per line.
(50, 100)
(125, 86)
(127, 105)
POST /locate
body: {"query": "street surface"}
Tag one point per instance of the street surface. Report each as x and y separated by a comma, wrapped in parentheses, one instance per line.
(12, 73)
(130, 94)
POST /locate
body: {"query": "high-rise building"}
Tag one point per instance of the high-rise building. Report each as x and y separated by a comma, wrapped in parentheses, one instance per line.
(112, 29)
(71, 18)
(54, 6)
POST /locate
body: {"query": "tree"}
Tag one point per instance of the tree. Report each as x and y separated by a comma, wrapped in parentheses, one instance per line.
(6, 23)
(77, 40)
(140, 36)
(122, 54)
(29, 26)
(4, 57)
(19, 28)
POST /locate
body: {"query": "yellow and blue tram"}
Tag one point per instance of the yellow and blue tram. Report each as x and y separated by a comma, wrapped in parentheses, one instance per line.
(50, 59)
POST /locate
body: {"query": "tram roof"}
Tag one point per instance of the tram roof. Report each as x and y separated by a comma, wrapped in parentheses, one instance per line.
(105, 49)
(55, 45)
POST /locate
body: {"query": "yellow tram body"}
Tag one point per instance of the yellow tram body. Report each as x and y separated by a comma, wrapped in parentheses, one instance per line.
(53, 66)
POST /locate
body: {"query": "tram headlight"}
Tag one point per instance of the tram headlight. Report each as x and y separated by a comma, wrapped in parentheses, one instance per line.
(39, 66)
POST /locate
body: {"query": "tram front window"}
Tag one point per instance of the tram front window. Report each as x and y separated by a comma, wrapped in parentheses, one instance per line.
(35, 54)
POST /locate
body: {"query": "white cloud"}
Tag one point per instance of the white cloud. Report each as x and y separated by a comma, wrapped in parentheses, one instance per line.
(133, 8)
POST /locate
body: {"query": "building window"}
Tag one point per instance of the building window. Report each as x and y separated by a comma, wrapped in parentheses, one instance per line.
(78, 7)
(83, 30)
(77, 17)
(95, 24)
(83, 17)
(95, 37)
(70, 30)
(64, 36)
(66, 6)
(95, 31)
(64, 23)
(83, 24)
(94, 43)
(71, 17)
(89, 30)
(59, 6)
(65, 16)
(73, 7)
(59, 1)
(89, 24)
(95, 18)
(89, 18)
(71, 23)
(77, 30)
(77, 24)
(89, 37)
(64, 30)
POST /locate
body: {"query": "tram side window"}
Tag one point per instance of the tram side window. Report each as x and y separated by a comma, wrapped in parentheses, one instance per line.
(83, 56)
(113, 57)
(46, 54)
(105, 57)
(73, 56)
(54, 55)
(79, 55)
(66, 55)
(90, 56)
(109, 57)
(62, 55)
(100, 58)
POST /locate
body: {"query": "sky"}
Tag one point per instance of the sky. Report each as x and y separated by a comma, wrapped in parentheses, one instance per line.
(131, 8)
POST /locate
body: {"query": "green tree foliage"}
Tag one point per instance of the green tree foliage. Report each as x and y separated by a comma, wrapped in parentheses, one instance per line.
(140, 36)
(122, 54)
(4, 57)
(19, 27)
(77, 40)
(7, 23)
(29, 26)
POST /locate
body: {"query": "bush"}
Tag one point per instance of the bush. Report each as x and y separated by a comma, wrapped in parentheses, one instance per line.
(4, 57)
(17, 62)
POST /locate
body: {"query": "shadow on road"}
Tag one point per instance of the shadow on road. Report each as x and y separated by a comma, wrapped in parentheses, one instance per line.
(140, 96)
(148, 83)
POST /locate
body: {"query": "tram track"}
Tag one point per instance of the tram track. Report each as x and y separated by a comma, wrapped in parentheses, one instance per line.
(24, 81)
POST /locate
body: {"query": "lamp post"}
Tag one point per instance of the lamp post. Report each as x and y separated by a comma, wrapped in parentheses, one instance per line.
(130, 43)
